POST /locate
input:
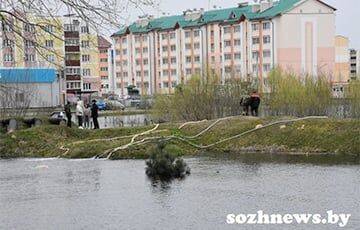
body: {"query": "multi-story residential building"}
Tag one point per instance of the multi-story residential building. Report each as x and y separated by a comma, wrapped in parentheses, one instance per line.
(65, 43)
(247, 41)
(354, 63)
(342, 60)
(105, 69)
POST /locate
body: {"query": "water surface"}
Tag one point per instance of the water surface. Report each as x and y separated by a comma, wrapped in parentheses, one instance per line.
(100, 194)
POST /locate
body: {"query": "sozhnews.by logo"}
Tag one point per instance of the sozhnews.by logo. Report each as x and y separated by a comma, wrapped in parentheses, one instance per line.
(261, 218)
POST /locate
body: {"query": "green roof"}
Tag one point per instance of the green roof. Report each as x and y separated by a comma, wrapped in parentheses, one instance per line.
(227, 15)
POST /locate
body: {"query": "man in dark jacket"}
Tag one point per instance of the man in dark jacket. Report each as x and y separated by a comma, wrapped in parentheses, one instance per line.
(254, 103)
(68, 113)
(95, 114)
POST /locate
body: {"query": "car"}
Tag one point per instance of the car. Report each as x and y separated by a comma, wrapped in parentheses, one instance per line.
(102, 105)
(57, 118)
(114, 105)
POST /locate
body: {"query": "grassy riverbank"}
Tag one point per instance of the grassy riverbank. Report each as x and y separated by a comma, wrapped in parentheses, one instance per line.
(303, 137)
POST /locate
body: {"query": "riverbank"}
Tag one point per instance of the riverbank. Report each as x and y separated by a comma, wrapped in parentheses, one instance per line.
(324, 136)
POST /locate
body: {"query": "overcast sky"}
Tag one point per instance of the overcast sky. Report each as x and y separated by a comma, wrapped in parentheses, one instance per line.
(347, 19)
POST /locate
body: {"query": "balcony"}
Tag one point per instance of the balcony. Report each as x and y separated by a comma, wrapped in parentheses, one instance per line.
(73, 77)
(72, 63)
(72, 48)
(71, 34)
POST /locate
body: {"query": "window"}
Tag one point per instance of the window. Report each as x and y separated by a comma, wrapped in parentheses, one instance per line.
(173, 72)
(237, 56)
(237, 42)
(87, 86)
(137, 50)
(255, 68)
(86, 72)
(103, 59)
(174, 84)
(104, 52)
(19, 97)
(137, 39)
(212, 47)
(137, 62)
(266, 53)
(125, 74)
(266, 39)
(29, 57)
(50, 58)
(228, 69)
(165, 73)
(118, 75)
(49, 43)
(85, 44)
(188, 71)
(73, 85)
(255, 40)
(124, 40)
(188, 59)
(8, 43)
(188, 46)
(266, 25)
(196, 33)
(104, 69)
(197, 70)
(138, 73)
(165, 61)
(144, 38)
(146, 73)
(173, 60)
(197, 45)
(84, 29)
(172, 35)
(71, 42)
(125, 62)
(227, 30)
(72, 71)
(146, 61)
(197, 59)
(165, 84)
(29, 43)
(266, 67)
(173, 47)
(165, 48)
(227, 43)
(187, 34)
(85, 58)
(145, 49)
(255, 26)
(49, 28)
(124, 51)
(164, 36)
(227, 56)
(29, 28)
(237, 29)
(118, 85)
(255, 54)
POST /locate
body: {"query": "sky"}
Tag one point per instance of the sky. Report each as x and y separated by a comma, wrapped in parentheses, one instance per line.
(347, 14)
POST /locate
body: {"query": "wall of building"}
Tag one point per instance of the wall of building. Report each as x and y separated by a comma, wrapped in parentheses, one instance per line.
(342, 60)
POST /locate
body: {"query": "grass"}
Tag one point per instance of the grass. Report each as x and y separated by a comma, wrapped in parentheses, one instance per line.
(306, 137)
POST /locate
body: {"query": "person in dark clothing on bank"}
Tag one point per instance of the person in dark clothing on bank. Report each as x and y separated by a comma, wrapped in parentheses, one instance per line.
(95, 114)
(245, 103)
(68, 113)
(254, 104)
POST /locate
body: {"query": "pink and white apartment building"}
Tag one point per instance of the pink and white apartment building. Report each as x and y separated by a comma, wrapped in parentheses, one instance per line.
(247, 41)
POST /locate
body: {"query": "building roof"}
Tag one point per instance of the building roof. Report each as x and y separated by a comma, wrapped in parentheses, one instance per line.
(227, 15)
(103, 42)
(27, 75)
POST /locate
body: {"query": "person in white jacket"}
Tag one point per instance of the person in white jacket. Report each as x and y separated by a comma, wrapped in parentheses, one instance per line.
(80, 112)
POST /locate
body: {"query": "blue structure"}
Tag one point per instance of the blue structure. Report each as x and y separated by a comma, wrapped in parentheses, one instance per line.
(27, 75)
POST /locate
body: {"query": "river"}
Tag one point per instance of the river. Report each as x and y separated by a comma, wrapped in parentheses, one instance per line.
(101, 194)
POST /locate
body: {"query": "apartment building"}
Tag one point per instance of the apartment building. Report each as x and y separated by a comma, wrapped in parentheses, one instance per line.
(65, 43)
(104, 47)
(354, 63)
(342, 60)
(247, 41)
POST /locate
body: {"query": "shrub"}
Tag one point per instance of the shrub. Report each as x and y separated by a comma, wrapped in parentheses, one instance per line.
(164, 165)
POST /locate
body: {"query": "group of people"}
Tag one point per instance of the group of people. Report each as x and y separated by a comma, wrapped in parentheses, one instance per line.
(83, 114)
(251, 104)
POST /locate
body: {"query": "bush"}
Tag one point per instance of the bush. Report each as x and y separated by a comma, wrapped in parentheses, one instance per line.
(164, 165)
(298, 96)
(201, 98)
(353, 94)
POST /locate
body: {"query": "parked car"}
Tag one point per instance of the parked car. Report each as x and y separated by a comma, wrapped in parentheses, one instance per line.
(114, 105)
(102, 105)
(57, 118)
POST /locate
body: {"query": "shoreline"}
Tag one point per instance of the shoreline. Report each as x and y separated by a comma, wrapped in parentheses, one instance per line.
(313, 137)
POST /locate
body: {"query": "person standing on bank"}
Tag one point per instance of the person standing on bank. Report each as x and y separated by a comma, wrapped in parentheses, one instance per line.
(255, 103)
(68, 113)
(95, 114)
(80, 113)
(87, 115)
